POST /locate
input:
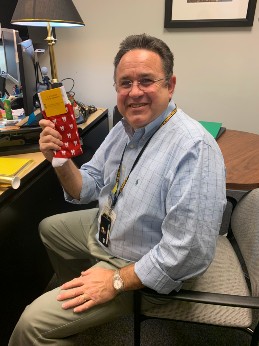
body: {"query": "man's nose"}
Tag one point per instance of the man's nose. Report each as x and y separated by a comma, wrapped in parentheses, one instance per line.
(135, 89)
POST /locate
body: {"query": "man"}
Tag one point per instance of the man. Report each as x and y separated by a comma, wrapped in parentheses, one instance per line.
(160, 181)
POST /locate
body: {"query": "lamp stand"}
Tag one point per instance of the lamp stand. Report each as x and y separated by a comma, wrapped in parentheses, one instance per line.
(51, 42)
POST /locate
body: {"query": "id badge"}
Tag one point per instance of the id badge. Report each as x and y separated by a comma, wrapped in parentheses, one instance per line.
(106, 220)
(104, 230)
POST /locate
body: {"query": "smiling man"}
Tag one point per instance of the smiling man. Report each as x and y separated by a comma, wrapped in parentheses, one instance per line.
(144, 100)
(159, 179)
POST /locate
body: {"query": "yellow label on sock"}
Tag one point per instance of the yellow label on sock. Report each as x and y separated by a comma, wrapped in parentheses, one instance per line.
(53, 102)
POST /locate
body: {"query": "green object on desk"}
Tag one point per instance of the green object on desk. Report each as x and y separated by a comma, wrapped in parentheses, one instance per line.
(8, 110)
(212, 127)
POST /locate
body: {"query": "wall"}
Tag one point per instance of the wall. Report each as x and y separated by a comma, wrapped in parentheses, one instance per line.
(2, 59)
(6, 13)
(217, 69)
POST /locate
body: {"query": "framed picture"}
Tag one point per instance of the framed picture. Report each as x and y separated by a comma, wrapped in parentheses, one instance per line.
(208, 13)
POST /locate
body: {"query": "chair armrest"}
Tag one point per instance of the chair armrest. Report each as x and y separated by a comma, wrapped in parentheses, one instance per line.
(206, 298)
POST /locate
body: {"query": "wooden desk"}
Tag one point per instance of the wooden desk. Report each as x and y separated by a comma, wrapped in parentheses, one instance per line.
(38, 158)
(241, 155)
(25, 269)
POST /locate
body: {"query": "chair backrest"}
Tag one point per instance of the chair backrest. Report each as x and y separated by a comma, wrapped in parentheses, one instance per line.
(245, 227)
(116, 116)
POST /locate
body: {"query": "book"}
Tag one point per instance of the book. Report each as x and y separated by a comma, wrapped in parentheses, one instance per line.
(212, 127)
(11, 166)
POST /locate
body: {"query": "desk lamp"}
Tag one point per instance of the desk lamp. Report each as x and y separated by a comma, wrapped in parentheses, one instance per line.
(47, 13)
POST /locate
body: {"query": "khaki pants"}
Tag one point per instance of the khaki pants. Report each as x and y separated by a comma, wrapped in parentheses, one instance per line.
(70, 241)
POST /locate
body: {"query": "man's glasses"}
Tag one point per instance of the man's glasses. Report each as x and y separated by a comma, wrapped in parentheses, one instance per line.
(144, 84)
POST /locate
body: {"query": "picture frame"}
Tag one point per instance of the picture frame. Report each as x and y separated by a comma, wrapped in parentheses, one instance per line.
(209, 13)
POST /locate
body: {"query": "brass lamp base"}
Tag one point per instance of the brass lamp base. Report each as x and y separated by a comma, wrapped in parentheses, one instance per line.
(51, 42)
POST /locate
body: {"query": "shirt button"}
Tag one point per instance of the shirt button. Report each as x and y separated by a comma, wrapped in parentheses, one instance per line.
(131, 146)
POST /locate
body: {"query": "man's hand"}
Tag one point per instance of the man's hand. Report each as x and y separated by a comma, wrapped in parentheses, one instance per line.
(68, 174)
(93, 287)
(50, 139)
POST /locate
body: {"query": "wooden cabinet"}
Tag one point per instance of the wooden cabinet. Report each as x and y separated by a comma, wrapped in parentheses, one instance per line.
(25, 269)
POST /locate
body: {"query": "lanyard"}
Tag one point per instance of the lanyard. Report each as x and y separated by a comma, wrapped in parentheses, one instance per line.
(115, 191)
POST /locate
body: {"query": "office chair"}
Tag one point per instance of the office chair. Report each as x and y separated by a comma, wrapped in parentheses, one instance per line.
(228, 292)
(116, 116)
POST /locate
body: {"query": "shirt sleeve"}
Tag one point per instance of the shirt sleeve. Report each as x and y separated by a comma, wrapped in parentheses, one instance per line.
(92, 177)
(195, 204)
(95, 173)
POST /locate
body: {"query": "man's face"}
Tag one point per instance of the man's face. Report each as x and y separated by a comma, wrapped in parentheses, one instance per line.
(140, 107)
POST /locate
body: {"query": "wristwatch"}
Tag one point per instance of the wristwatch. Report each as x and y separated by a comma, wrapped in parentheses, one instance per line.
(118, 283)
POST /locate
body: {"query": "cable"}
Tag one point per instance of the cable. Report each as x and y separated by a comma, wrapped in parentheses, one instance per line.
(72, 85)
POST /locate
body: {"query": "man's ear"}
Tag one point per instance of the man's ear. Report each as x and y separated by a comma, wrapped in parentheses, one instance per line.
(171, 85)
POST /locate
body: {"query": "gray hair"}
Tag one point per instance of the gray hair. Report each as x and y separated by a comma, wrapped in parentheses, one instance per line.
(150, 43)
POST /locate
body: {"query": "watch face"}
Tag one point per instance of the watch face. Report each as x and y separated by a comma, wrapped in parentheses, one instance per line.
(118, 284)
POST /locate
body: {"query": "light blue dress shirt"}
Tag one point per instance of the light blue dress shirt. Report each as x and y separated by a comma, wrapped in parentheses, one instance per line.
(169, 213)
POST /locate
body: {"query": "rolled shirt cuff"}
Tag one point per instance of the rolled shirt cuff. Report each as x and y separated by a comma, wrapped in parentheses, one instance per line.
(152, 276)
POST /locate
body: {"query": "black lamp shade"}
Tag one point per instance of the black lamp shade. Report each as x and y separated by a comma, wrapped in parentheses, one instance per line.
(57, 13)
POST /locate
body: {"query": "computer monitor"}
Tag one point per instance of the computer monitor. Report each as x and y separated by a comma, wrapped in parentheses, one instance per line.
(2, 87)
(27, 75)
(10, 39)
